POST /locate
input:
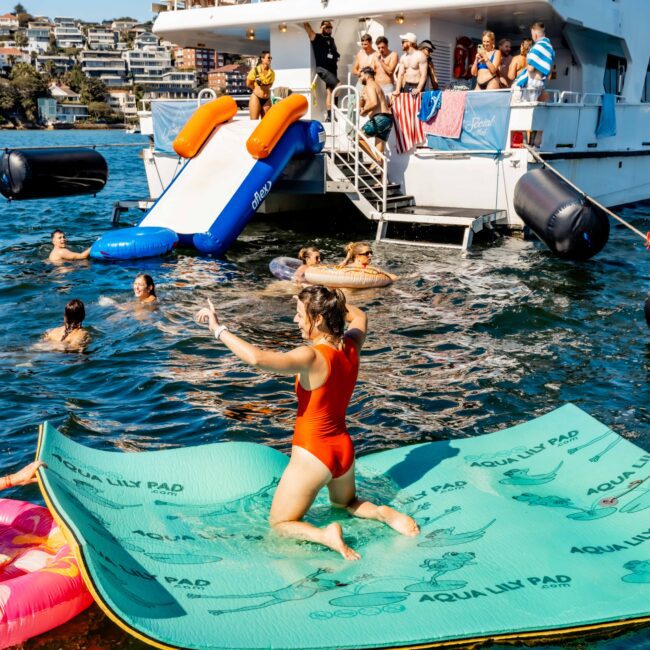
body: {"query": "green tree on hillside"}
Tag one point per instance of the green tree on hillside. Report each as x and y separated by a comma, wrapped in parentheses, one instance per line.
(29, 86)
(93, 91)
(20, 39)
(8, 100)
(19, 9)
(74, 78)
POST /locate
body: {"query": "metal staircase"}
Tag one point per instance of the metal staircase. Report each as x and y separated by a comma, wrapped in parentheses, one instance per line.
(352, 172)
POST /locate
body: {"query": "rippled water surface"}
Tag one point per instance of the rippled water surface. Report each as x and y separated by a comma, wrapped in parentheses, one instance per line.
(458, 347)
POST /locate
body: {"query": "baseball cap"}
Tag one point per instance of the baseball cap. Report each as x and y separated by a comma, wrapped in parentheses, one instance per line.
(409, 36)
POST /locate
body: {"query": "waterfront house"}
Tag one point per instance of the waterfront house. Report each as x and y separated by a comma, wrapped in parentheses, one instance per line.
(63, 93)
(10, 56)
(38, 36)
(67, 34)
(229, 79)
(51, 111)
(100, 38)
(107, 65)
(9, 22)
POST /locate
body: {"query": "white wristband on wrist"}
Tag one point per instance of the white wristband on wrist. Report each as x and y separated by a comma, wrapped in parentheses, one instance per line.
(219, 331)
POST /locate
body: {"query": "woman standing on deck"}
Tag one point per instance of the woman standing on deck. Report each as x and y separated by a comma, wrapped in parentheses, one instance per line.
(322, 453)
(259, 81)
(487, 63)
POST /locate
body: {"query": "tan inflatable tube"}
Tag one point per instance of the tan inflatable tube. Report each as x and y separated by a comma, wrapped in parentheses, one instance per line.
(347, 277)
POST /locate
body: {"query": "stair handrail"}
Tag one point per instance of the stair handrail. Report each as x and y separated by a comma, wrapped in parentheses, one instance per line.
(338, 116)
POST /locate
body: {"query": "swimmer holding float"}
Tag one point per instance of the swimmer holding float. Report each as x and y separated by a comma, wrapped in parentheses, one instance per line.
(322, 453)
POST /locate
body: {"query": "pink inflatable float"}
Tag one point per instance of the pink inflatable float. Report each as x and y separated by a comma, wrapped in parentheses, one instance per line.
(40, 583)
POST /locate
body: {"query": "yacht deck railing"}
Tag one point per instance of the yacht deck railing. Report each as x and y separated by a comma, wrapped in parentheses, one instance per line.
(181, 5)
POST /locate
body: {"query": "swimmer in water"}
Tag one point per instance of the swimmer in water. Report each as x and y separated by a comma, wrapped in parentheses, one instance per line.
(309, 256)
(60, 251)
(71, 334)
(358, 255)
(322, 453)
(24, 476)
(144, 289)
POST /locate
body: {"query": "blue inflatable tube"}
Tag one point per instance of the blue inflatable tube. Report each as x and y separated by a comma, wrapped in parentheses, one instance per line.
(133, 243)
(284, 268)
(301, 138)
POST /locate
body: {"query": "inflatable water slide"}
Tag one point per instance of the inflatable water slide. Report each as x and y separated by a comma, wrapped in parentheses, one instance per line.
(230, 169)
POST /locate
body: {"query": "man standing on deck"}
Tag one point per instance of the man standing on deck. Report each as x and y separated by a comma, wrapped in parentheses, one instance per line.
(326, 56)
(412, 67)
(364, 58)
(385, 63)
(539, 65)
(505, 47)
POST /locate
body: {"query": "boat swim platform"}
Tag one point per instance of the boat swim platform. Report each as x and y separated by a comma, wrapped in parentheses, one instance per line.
(533, 532)
(470, 220)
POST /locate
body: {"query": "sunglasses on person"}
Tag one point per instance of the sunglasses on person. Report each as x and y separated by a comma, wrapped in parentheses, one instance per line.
(365, 253)
(327, 27)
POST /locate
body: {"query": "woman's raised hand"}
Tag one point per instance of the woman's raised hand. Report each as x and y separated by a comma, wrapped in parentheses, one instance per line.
(208, 315)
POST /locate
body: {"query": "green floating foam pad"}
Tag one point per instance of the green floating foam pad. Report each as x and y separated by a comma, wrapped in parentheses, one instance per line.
(533, 529)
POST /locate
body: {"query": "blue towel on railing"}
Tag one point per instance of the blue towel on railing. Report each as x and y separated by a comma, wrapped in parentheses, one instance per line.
(607, 117)
(431, 101)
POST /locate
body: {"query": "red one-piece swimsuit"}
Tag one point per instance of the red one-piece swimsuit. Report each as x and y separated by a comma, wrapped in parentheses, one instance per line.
(320, 423)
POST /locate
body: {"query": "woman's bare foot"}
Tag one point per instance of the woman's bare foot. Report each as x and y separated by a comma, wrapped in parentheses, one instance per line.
(400, 522)
(333, 538)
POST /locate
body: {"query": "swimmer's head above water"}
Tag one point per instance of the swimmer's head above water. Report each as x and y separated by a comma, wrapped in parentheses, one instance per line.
(73, 317)
(357, 254)
(58, 239)
(321, 313)
(310, 255)
(144, 288)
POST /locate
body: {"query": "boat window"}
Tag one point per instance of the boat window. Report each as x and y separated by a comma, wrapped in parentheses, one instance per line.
(614, 74)
(645, 96)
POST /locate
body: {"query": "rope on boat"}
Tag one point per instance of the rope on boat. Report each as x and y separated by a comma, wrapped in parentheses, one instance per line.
(538, 157)
(79, 146)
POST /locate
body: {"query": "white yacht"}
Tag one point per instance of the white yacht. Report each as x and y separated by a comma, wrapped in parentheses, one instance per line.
(601, 46)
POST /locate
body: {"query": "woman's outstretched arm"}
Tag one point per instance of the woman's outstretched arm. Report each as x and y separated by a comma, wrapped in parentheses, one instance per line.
(285, 363)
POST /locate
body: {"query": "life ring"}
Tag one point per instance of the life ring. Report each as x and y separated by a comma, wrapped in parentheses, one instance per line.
(334, 277)
(40, 583)
(347, 277)
(284, 268)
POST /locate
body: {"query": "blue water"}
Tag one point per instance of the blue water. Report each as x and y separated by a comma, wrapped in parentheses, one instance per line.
(458, 347)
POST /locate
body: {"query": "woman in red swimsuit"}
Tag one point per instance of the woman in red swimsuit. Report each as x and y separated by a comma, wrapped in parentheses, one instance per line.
(322, 453)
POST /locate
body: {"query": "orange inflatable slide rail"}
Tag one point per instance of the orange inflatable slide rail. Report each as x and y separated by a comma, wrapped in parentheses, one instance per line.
(274, 124)
(203, 121)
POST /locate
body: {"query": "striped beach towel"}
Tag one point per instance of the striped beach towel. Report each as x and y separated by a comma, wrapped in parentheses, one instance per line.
(540, 57)
(408, 128)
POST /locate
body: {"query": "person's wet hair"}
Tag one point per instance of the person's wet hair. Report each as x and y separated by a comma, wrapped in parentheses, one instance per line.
(366, 38)
(305, 253)
(73, 317)
(353, 249)
(380, 40)
(328, 303)
(148, 280)
(56, 232)
(369, 71)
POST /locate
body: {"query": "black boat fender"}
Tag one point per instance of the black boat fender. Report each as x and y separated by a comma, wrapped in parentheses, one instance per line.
(570, 225)
(51, 172)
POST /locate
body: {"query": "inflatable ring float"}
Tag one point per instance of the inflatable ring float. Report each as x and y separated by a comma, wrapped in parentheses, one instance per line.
(334, 277)
(40, 583)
